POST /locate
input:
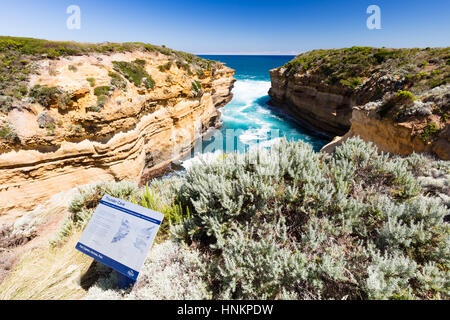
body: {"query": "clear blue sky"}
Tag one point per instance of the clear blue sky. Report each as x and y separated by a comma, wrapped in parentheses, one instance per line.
(204, 26)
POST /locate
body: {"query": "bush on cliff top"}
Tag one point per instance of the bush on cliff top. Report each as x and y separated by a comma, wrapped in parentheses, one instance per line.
(135, 73)
(421, 68)
(290, 223)
(48, 96)
(18, 57)
(54, 49)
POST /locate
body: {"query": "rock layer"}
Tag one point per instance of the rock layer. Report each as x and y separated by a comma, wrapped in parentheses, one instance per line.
(324, 108)
(388, 136)
(396, 98)
(138, 131)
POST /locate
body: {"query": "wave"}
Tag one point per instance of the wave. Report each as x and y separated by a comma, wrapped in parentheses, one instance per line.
(248, 91)
(253, 136)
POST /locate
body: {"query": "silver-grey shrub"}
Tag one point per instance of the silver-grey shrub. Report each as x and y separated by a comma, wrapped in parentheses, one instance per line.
(292, 223)
(289, 223)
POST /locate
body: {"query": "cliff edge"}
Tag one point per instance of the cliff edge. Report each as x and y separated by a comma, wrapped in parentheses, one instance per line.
(73, 113)
(397, 98)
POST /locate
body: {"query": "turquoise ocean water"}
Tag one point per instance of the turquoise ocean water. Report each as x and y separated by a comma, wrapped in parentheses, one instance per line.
(248, 119)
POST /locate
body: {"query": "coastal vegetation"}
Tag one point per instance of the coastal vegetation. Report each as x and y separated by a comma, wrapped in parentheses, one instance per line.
(196, 88)
(117, 81)
(48, 96)
(355, 224)
(7, 132)
(423, 68)
(403, 89)
(135, 73)
(19, 57)
(165, 67)
(91, 81)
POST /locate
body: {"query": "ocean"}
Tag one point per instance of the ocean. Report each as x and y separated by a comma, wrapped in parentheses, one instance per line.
(248, 120)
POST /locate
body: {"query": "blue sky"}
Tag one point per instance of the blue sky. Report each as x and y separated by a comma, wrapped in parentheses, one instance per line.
(237, 26)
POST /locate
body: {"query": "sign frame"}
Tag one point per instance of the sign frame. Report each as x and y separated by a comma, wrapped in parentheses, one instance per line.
(104, 232)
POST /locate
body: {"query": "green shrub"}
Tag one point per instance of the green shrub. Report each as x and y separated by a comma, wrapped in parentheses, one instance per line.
(48, 96)
(91, 81)
(158, 196)
(102, 91)
(73, 68)
(352, 83)
(165, 67)
(149, 83)
(84, 203)
(6, 104)
(289, 223)
(8, 133)
(399, 102)
(429, 132)
(50, 129)
(404, 97)
(200, 74)
(140, 62)
(183, 65)
(196, 88)
(173, 213)
(75, 130)
(433, 83)
(445, 117)
(101, 100)
(382, 55)
(135, 73)
(96, 108)
(117, 81)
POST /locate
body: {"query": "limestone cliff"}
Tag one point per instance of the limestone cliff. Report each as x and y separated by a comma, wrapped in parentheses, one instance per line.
(333, 90)
(92, 116)
(421, 131)
(324, 108)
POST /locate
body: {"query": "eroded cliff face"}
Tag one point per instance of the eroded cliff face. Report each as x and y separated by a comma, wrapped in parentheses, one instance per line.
(396, 98)
(324, 108)
(126, 131)
(422, 132)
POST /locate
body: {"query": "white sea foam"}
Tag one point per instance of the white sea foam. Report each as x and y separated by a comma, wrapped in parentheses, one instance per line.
(262, 110)
(252, 136)
(247, 92)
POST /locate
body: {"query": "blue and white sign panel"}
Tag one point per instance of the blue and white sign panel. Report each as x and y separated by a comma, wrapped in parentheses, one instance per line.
(120, 234)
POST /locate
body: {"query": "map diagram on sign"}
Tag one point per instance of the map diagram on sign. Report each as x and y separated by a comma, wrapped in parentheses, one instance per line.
(124, 230)
(142, 238)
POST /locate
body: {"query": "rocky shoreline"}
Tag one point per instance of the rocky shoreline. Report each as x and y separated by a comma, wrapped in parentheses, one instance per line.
(396, 98)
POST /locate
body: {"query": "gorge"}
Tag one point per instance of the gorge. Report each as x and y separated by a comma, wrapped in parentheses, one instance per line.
(79, 121)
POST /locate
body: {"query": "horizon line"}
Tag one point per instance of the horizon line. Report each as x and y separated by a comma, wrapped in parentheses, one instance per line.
(247, 53)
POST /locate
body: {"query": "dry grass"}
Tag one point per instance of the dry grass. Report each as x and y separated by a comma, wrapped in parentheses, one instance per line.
(49, 273)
